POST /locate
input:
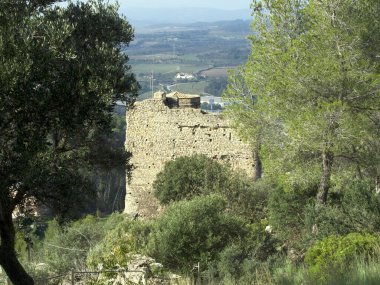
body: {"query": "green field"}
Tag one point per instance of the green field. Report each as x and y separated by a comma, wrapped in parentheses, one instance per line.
(190, 56)
(217, 72)
(191, 87)
(146, 68)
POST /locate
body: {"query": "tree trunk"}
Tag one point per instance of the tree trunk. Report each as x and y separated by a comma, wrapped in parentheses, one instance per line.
(258, 170)
(324, 186)
(8, 258)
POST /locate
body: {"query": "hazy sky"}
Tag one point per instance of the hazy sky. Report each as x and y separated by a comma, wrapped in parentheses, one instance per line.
(221, 4)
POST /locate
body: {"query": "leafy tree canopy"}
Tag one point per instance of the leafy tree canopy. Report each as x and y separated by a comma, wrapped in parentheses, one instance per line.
(61, 72)
(309, 93)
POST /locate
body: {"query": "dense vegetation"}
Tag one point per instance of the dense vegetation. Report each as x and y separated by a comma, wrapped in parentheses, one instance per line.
(238, 231)
(307, 100)
(61, 72)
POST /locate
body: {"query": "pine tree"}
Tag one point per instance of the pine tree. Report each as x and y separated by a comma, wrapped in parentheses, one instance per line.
(314, 76)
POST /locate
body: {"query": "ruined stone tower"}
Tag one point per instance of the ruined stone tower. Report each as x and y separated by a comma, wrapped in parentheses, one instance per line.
(169, 126)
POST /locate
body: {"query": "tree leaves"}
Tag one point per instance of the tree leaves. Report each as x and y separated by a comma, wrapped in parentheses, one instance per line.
(313, 80)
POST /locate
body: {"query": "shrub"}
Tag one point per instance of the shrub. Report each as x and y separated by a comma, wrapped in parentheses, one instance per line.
(334, 254)
(187, 177)
(112, 251)
(247, 198)
(260, 244)
(286, 213)
(58, 248)
(355, 209)
(361, 205)
(329, 219)
(194, 231)
(230, 262)
(115, 249)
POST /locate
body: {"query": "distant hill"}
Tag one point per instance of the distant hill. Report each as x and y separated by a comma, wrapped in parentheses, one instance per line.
(238, 27)
(143, 17)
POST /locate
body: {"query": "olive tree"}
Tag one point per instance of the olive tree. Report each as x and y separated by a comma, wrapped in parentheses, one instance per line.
(61, 72)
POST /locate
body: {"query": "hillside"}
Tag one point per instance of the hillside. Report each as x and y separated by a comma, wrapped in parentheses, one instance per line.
(167, 49)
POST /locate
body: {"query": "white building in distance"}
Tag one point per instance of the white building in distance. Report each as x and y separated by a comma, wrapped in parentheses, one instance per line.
(183, 76)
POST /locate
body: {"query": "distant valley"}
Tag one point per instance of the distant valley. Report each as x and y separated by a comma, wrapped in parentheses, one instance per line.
(204, 50)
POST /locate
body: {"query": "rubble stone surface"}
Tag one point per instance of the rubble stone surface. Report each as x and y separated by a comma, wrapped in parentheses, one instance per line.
(157, 133)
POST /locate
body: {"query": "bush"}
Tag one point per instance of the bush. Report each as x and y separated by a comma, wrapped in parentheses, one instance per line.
(115, 249)
(230, 262)
(286, 213)
(361, 206)
(247, 198)
(112, 251)
(244, 263)
(194, 231)
(327, 220)
(57, 248)
(187, 177)
(63, 248)
(260, 244)
(334, 254)
(355, 209)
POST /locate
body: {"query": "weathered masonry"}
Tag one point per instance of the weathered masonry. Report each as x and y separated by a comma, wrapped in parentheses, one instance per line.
(169, 126)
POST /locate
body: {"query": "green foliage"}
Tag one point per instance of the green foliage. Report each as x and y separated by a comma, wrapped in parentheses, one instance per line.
(61, 72)
(237, 263)
(246, 198)
(112, 252)
(363, 272)
(115, 249)
(65, 247)
(286, 213)
(187, 177)
(335, 254)
(21, 245)
(284, 272)
(287, 273)
(230, 262)
(297, 222)
(326, 220)
(361, 206)
(354, 209)
(306, 92)
(216, 86)
(194, 231)
(261, 244)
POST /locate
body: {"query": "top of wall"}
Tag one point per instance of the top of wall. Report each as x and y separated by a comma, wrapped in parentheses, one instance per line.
(178, 100)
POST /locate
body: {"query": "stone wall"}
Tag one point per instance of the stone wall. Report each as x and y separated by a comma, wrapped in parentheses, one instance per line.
(157, 134)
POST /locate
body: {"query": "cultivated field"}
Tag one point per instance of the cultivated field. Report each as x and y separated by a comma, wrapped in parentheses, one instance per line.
(163, 68)
(217, 71)
(190, 88)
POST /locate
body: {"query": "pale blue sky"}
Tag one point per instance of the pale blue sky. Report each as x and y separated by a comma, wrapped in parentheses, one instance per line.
(221, 4)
